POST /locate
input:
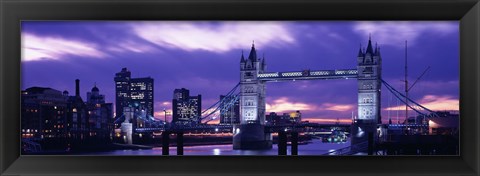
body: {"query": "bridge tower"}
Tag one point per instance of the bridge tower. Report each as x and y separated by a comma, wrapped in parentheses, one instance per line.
(250, 133)
(369, 93)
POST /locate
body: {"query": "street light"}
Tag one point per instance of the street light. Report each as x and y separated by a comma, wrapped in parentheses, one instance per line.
(165, 115)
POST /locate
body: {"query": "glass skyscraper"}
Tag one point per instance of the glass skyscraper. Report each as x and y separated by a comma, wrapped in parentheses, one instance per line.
(186, 109)
(134, 92)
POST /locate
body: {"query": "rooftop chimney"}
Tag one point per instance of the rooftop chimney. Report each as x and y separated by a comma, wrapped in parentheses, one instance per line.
(77, 87)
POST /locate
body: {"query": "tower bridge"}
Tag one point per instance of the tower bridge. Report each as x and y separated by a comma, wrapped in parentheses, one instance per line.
(251, 132)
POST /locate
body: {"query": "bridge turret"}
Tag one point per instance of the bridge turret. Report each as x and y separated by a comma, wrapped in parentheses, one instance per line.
(263, 65)
(252, 60)
(369, 53)
(360, 53)
(253, 54)
(242, 62)
(377, 58)
(369, 47)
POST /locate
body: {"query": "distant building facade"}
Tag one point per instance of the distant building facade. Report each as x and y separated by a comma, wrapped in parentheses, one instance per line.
(284, 119)
(230, 115)
(186, 109)
(295, 117)
(77, 119)
(133, 92)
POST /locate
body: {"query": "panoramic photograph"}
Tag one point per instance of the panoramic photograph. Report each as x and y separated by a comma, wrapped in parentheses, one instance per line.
(232, 88)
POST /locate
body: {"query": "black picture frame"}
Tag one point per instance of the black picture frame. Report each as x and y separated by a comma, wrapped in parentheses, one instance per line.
(14, 11)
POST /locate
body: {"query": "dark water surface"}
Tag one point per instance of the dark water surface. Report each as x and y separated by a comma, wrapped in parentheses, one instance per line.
(314, 148)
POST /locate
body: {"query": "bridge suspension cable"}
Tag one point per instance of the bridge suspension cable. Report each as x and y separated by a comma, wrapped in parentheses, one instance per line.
(229, 93)
(119, 118)
(221, 106)
(403, 99)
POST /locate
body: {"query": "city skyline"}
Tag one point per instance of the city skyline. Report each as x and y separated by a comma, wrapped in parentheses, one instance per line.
(207, 61)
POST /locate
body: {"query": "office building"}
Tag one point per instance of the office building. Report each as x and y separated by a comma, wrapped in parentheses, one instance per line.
(186, 109)
(133, 92)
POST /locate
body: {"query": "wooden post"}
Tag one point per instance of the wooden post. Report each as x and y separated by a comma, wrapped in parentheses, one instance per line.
(370, 143)
(180, 143)
(294, 143)
(282, 143)
(165, 143)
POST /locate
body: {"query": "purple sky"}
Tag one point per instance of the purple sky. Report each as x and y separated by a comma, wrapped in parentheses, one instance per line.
(204, 57)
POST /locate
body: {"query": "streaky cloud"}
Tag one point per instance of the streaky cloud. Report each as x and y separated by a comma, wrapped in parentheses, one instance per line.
(36, 48)
(127, 46)
(394, 33)
(283, 104)
(327, 120)
(216, 37)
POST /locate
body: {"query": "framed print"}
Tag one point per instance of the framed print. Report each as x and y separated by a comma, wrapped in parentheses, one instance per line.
(220, 87)
(264, 111)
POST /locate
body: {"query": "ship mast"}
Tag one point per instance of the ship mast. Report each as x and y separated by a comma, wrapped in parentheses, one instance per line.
(407, 89)
(406, 84)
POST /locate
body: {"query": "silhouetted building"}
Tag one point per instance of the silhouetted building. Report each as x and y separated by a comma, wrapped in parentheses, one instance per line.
(100, 115)
(43, 113)
(186, 109)
(77, 119)
(230, 110)
(59, 121)
(134, 92)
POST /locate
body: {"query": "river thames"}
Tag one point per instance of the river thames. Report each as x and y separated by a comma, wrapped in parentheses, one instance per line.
(315, 147)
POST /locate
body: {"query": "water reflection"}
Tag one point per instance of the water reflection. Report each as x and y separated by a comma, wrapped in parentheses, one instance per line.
(314, 148)
(216, 151)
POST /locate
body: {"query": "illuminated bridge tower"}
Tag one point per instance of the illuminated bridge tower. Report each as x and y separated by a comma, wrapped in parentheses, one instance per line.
(369, 93)
(250, 133)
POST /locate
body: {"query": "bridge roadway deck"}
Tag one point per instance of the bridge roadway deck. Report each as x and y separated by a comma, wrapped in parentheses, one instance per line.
(308, 75)
(269, 128)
